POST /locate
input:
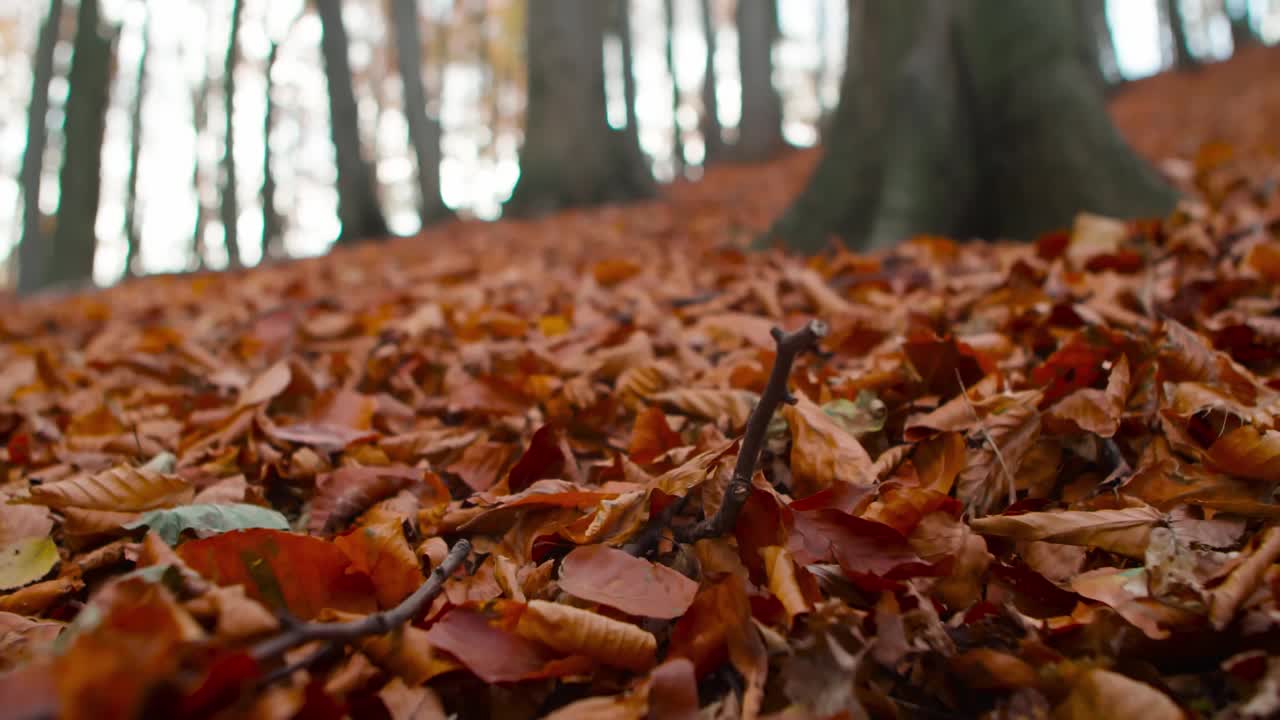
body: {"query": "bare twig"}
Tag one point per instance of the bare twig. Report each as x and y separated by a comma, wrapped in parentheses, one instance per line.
(982, 427)
(790, 346)
(647, 539)
(299, 633)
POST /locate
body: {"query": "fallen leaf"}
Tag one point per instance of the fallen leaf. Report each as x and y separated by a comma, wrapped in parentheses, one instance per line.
(1124, 531)
(26, 561)
(284, 571)
(206, 520)
(636, 586)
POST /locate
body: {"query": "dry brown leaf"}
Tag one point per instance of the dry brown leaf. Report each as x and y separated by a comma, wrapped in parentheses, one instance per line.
(822, 453)
(1124, 531)
(575, 631)
(121, 489)
(1102, 693)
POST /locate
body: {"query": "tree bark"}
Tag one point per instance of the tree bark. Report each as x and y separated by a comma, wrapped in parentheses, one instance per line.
(272, 234)
(132, 240)
(622, 18)
(712, 133)
(358, 208)
(1242, 34)
(32, 252)
(677, 142)
(973, 118)
(1096, 44)
(200, 120)
(570, 156)
(71, 260)
(760, 129)
(1182, 57)
(230, 209)
(424, 132)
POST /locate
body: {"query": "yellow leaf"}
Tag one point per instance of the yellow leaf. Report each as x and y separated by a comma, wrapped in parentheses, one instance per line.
(575, 631)
(26, 561)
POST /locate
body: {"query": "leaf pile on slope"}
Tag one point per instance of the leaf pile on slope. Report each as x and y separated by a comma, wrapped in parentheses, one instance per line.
(1018, 480)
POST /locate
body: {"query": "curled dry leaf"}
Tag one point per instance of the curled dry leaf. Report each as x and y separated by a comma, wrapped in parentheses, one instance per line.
(1124, 531)
(120, 489)
(576, 631)
(712, 404)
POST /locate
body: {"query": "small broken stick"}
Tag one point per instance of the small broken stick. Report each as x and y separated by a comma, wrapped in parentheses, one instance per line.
(298, 633)
(790, 346)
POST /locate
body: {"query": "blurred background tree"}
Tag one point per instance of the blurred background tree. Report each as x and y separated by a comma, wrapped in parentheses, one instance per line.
(147, 136)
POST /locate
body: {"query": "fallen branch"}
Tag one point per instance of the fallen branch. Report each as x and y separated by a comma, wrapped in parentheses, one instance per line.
(300, 633)
(790, 346)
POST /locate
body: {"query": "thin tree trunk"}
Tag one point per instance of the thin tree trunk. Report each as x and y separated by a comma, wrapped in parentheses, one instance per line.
(134, 243)
(677, 142)
(622, 8)
(712, 133)
(760, 130)
(230, 207)
(272, 237)
(956, 118)
(424, 132)
(1182, 57)
(570, 156)
(358, 208)
(1242, 34)
(32, 253)
(200, 121)
(74, 243)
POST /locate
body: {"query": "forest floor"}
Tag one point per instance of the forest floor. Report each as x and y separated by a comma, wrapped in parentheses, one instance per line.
(1018, 479)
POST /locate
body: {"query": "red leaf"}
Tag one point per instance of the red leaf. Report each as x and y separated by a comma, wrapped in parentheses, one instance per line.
(491, 653)
(609, 576)
(282, 570)
(542, 460)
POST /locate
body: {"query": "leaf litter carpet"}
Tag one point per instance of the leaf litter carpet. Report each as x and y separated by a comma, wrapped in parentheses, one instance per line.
(1018, 480)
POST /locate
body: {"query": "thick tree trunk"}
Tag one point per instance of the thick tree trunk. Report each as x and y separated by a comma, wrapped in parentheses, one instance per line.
(570, 156)
(677, 142)
(1182, 57)
(272, 235)
(712, 133)
(424, 132)
(973, 118)
(358, 208)
(1096, 44)
(230, 211)
(33, 252)
(71, 260)
(760, 129)
(132, 240)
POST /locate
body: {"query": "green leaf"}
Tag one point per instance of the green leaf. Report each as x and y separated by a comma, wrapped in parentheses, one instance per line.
(206, 520)
(26, 561)
(858, 417)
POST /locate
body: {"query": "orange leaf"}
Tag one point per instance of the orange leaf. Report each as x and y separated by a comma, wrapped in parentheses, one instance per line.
(282, 570)
(822, 452)
(381, 552)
